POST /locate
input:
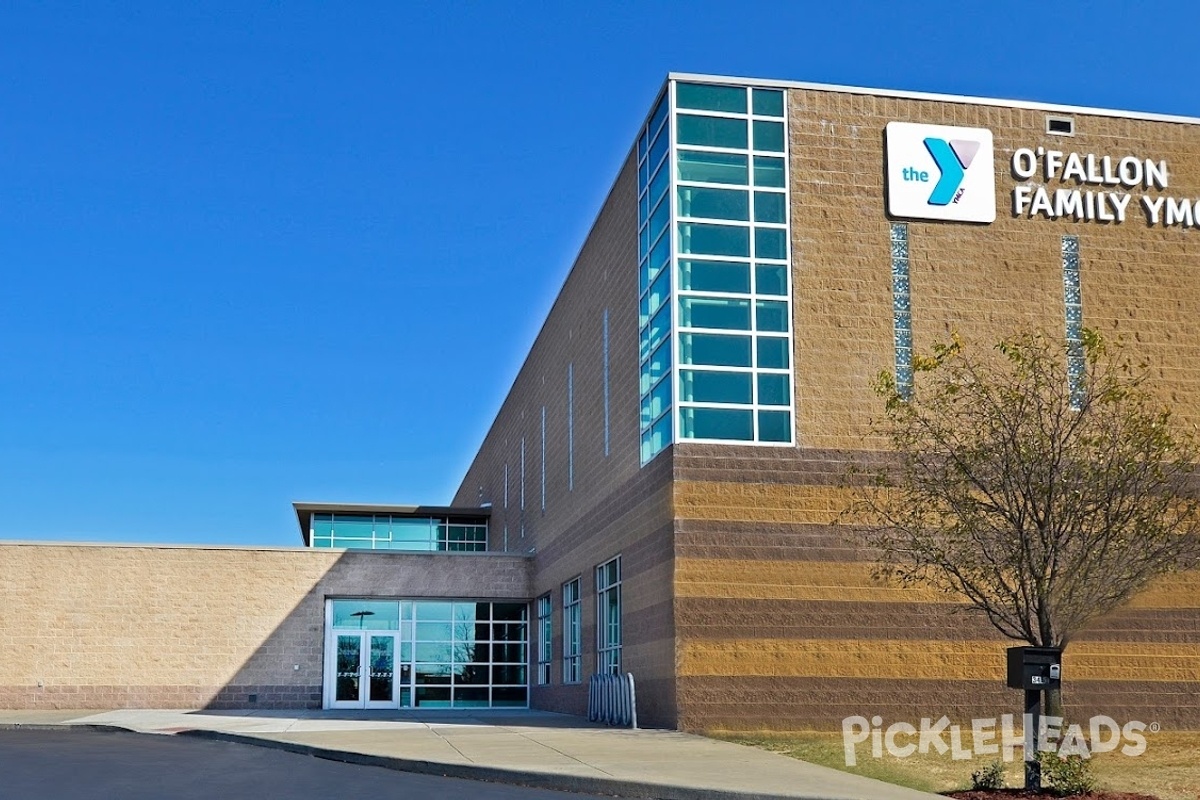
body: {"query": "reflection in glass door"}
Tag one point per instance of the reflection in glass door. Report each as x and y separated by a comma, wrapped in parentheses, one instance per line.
(425, 654)
(381, 672)
(348, 675)
(365, 671)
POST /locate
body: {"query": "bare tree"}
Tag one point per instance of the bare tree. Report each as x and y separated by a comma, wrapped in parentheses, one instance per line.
(1040, 480)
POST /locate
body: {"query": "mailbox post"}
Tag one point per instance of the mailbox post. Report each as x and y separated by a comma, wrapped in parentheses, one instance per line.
(1034, 669)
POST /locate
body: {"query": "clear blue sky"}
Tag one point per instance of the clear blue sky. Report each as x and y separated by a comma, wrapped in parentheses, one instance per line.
(260, 252)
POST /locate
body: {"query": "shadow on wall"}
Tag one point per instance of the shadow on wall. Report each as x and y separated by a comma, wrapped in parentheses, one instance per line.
(103, 626)
(286, 669)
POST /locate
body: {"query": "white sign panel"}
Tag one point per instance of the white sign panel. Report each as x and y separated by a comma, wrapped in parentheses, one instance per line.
(940, 172)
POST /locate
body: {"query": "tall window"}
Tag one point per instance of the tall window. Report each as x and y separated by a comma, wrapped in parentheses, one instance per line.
(1073, 300)
(571, 631)
(545, 639)
(608, 617)
(654, 269)
(731, 292)
(902, 310)
(606, 383)
(543, 458)
(571, 427)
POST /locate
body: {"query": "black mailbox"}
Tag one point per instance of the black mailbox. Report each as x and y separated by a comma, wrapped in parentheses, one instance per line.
(1034, 668)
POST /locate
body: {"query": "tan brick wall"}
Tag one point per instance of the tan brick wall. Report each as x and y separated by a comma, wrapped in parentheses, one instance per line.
(179, 627)
(981, 280)
(781, 623)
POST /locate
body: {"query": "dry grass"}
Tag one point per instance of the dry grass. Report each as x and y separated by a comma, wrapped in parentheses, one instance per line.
(1169, 769)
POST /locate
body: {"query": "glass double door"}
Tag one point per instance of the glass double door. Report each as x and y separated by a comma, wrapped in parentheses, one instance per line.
(367, 672)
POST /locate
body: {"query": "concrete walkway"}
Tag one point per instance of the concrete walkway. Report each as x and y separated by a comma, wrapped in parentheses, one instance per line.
(532, 748)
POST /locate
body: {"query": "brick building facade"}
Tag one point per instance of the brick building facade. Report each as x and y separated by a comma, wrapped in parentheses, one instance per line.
(660, 483)
(744, 607)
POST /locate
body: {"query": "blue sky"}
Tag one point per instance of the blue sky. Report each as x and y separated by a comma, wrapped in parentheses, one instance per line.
(264, 252)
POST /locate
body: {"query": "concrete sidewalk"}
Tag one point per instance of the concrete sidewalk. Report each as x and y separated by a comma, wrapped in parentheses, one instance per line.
(531, 748)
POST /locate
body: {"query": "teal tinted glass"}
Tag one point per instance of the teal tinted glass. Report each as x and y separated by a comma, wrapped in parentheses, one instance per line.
(770, 243)
(643, 143)
(662, 432)
(713, 167)
(717, 423)
(658, 219)
(643, 242)
(769, 207)
(655, 403)
(711, 131)
(660, 254)
(773, 390)
(714, 387)
(714, 350)
(772, 315)
(768, 171)
(433, 611)
(658, 292)
(346, 526)
(713, 240)
(774, 426)
(712, 312)
(768, 136)
(643, 213)
(360, 544)
(770, 279)
(366, 615)
(643, 342)
(768, 102)
(659, 183)
(658, 149)
(660, 113)
(660, 323)
(412, 530)
(655, 439)
(730, 99)
(659, 363)
(714, 203)
(714, 276)
(426, 545)
(322, 525)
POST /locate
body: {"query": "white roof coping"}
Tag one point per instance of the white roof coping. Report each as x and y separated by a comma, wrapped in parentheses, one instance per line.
(943, 98)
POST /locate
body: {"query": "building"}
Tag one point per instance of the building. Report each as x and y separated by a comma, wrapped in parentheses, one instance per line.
(657, 491)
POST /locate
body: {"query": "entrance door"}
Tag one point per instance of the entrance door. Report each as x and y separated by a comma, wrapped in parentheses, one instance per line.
(365, 674)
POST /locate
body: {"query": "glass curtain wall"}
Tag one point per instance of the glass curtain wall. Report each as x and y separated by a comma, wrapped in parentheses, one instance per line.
(386, 532)
(654, 254)
(443, 654)
(716, 311)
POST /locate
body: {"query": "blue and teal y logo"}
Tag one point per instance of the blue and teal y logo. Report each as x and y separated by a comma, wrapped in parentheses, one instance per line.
(940, 172)
(953, 158)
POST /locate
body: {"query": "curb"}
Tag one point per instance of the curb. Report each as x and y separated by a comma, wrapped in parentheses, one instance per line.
(613, 787)
(62, 726)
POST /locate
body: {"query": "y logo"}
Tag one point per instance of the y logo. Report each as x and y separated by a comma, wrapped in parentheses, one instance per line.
(953, 158)
(940, 172)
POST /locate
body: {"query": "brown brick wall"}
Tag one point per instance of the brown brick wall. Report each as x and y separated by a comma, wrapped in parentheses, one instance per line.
(774, 618)
(781, 624)
(778, 619)
(613, 506)
(89, 626)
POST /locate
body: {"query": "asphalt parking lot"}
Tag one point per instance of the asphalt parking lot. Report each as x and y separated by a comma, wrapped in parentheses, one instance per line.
(74, 764)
